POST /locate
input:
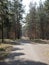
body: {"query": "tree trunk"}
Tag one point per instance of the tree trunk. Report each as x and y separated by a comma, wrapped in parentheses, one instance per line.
(2, 33)
(7, 33)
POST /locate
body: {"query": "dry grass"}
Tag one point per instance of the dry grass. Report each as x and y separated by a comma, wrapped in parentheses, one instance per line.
(4, 50)
(4, 45)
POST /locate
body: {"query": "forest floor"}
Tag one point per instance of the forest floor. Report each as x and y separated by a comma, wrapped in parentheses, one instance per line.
(25, 52)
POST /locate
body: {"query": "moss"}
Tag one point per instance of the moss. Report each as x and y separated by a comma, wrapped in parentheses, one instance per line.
(2, 49)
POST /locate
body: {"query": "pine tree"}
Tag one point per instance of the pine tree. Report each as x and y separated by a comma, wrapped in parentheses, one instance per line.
(3, 5)
(46, 8)
(18, 10)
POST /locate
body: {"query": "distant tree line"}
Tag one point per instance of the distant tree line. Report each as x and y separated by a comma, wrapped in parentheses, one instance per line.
(37, 21)
(10, 19)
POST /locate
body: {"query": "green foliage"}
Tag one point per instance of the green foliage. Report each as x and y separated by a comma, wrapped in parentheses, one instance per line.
(18, 11)
(31, 20)
(2, 49)
(11, 16)
(38, 20)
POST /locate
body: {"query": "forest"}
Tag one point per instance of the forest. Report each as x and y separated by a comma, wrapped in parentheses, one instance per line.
(24, 37)
(10, 19)
(37, 21)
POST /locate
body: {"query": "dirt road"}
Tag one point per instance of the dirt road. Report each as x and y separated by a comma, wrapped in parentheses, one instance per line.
(25, 53)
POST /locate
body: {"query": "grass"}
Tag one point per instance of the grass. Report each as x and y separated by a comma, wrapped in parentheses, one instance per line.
(3, 45)
(39, 41)
(4, 50)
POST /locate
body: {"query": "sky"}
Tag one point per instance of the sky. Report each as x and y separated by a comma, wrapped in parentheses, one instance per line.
(27, 2)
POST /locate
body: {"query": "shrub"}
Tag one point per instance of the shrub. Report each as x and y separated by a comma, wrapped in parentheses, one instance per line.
(2, 49)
